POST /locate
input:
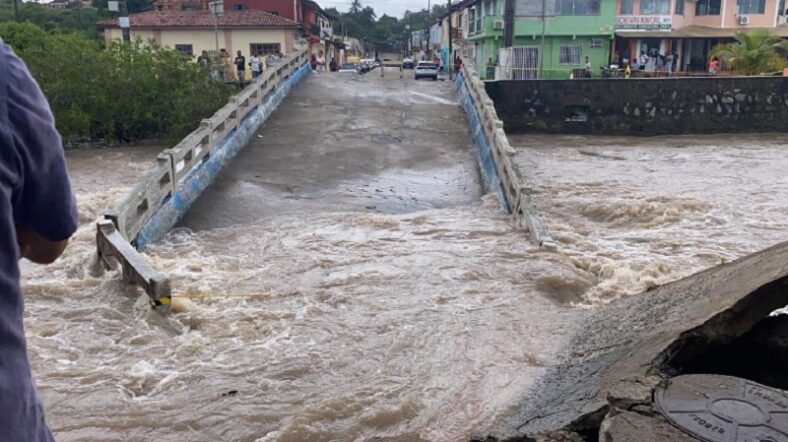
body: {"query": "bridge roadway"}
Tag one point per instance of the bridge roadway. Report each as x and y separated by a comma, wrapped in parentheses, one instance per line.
(349, 143)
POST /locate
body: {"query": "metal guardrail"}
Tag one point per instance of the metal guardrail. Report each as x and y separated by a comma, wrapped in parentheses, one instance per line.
(118, 229)
(517, 193)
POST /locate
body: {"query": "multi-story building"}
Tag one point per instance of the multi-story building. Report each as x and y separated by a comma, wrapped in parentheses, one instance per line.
(690, 28)
(552, 43)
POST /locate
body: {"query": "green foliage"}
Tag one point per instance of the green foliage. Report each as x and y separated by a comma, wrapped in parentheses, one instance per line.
(72, 19)
(753, 53)
(127, 92)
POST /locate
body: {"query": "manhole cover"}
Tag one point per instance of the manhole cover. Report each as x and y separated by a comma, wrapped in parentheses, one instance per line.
(717, 408)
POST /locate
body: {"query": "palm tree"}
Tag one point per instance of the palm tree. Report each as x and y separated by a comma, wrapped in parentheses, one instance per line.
(753, 53)
(355, 7)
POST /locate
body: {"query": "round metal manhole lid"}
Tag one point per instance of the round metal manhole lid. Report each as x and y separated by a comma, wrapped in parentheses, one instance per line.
(716, 408)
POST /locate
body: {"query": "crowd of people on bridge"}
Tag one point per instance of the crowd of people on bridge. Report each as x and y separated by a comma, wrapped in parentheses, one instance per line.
(222, 67)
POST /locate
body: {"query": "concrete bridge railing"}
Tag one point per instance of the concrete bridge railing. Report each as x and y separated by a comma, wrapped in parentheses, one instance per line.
(178, 178)
(501, 173)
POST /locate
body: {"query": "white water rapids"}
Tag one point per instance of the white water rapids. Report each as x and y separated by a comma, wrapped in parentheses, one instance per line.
(350, 326)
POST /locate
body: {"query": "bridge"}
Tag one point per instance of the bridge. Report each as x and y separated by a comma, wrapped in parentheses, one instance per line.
(294, 142)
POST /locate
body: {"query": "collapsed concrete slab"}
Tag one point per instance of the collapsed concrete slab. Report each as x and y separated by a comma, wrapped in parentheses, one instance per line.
(622, 351)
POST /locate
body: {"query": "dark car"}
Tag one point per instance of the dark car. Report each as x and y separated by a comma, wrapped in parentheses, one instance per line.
(407, 63)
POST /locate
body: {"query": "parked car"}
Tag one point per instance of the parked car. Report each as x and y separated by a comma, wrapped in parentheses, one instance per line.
(368, 64)
(407, 63)
(426, 69)
(348, 68)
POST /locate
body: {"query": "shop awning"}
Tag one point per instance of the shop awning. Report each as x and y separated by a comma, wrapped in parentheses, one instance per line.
(698, 32)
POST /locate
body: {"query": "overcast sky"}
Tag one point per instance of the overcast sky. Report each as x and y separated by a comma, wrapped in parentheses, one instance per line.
(395, 8)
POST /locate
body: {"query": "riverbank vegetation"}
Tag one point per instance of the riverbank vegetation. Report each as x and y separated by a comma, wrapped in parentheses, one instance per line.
(123, 93)
(754, 53)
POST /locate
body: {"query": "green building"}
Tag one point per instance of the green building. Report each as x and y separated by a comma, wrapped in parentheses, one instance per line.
(572, 29)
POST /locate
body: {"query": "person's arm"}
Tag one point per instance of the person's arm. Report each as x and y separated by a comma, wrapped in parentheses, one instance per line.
(38, 249)
(43, 205)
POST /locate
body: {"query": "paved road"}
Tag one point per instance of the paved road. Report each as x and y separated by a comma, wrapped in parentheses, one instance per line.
(349, 143)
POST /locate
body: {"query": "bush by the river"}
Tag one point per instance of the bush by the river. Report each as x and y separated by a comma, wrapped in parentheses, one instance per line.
(127, 92)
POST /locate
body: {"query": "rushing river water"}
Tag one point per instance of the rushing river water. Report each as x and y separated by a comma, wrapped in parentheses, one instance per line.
(349, 326)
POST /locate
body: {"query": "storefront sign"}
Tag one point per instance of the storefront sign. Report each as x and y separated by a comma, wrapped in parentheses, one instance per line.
(643, 22)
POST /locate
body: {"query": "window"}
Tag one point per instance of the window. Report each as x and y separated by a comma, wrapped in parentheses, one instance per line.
(570, 54)
(519, 63)
(626, 7)
(655, 7)
(595, 43)
(185, 50)
(530, 8)
(576, 7)
(679, 7)
(707, 7)
(264, 48)
(237, 7)
(750, 6)
(273, 12)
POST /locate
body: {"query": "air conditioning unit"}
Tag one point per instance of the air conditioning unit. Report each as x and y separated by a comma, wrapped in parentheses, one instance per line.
(744, 20)
(498, 25)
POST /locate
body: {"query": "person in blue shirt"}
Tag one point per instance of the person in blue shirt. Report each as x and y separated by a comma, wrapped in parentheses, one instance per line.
(37, 216)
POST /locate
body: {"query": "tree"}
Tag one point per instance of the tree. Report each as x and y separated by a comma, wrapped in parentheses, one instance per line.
(165, 95)
(753, 53)
(355, 7)
(72, 19)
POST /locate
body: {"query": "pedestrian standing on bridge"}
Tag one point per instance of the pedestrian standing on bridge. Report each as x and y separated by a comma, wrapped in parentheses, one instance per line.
(227, 66)
(256, 65)
(37, 216)
(240, 65)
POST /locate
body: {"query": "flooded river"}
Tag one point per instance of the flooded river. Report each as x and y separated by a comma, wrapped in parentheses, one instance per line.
(352, 325)
(633, 213)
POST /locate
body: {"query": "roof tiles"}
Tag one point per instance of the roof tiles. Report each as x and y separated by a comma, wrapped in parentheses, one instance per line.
(202, 19)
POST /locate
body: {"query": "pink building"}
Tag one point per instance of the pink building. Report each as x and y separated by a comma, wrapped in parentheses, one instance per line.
(690, 28)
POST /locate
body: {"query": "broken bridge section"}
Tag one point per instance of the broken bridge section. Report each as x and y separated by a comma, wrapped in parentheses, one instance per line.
(623, 351)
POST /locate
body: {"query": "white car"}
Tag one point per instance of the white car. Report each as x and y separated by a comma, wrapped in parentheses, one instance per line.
(348, 68)
(426, 69)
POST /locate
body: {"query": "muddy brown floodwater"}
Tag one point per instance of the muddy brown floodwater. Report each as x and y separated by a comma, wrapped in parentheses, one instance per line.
(351, 325)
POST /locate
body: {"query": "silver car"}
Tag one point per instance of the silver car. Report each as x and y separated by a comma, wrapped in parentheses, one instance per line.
(426, 69)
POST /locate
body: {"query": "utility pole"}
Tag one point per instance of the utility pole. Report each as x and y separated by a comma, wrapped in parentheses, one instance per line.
(508, 23)
(123, 20)
(450, 55)
(217, 9)
(541, 48)
(429, 26)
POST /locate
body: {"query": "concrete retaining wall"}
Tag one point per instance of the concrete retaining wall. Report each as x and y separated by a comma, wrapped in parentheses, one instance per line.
(643, 106)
